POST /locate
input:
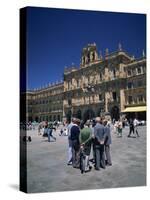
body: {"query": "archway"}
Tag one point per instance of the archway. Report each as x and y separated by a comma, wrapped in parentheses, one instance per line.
(68, 116)
(99, 112)
(88, 114)
(36, 119)
(115, 113)
(79, 114)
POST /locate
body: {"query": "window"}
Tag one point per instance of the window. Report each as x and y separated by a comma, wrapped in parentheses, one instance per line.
(130, 85)
(93, 56)
(69, 102)
(140, 97)
(100, 76)
(133, 72)
(93, 98)
(129, 72)
(83, 60)
(139, 83)
(100, 97)
(139, 70)
(114, 96)
(130, 99)
(88, 57)
(77, 83)
(114, 73)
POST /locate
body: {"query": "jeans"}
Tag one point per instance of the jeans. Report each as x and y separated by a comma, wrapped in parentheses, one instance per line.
(49, 133)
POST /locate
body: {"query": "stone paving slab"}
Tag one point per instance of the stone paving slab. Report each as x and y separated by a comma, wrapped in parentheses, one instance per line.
(47, 170)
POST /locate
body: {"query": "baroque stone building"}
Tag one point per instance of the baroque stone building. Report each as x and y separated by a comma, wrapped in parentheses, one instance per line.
(45, 104)
(111, 85)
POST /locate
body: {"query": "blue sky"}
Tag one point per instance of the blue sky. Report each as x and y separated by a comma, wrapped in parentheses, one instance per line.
(55, 38)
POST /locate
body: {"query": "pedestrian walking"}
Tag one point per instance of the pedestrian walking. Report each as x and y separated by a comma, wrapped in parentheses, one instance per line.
(50, 135)
(40, 128)
(131, 127)
(61, 132)
(99, 144)
(136, 123)
(107, 143)
(119, 128)
(115, 127)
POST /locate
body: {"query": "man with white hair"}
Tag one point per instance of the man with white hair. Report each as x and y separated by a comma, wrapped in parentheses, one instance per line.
(99, 133)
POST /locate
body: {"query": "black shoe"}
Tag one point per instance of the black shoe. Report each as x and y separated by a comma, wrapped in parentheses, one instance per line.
(128, 136)
(96, 168)
(29, 138)
(109, 164)
(69, 163)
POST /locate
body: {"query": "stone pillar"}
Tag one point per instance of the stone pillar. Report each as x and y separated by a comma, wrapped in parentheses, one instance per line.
(106, 101)
(122, 100)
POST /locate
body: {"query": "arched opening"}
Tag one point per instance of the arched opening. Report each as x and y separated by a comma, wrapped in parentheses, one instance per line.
(99, 112)
(54, 118)
(36, 119)
(115, 113)
(30, 119)
(88, 114)
(50, 118)
(58, 117)
(68, 116)
(79, 114)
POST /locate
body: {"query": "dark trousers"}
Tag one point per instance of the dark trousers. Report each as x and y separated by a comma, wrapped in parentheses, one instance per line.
(75, 153)
(107, 155)
(131, 130)
(94, 149)
(87, 148)
(100, 158)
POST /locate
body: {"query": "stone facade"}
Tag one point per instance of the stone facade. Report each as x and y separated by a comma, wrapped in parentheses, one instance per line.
(101, 85)
(45, 104)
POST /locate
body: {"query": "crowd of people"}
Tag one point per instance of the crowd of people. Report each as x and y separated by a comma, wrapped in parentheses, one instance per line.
(97, 138)
(46, 130)
(121, 123)
(89, 138)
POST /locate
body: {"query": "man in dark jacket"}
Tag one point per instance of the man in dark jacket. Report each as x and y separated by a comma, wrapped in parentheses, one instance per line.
(99, 144)
(107, 142)
(74, 136)
(131, 127)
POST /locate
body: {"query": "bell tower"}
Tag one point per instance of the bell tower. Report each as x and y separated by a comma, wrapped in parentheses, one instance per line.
(89, 54)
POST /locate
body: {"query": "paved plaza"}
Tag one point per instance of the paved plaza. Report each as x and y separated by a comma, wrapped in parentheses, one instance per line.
(47, 170)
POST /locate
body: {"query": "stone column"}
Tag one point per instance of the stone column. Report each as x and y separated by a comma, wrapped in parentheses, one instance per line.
(122, 100)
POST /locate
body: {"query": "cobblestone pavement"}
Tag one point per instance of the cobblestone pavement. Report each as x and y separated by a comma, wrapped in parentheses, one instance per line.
(47, 170)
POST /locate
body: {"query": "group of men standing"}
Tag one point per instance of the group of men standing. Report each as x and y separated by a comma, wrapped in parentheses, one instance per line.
(97, 138)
